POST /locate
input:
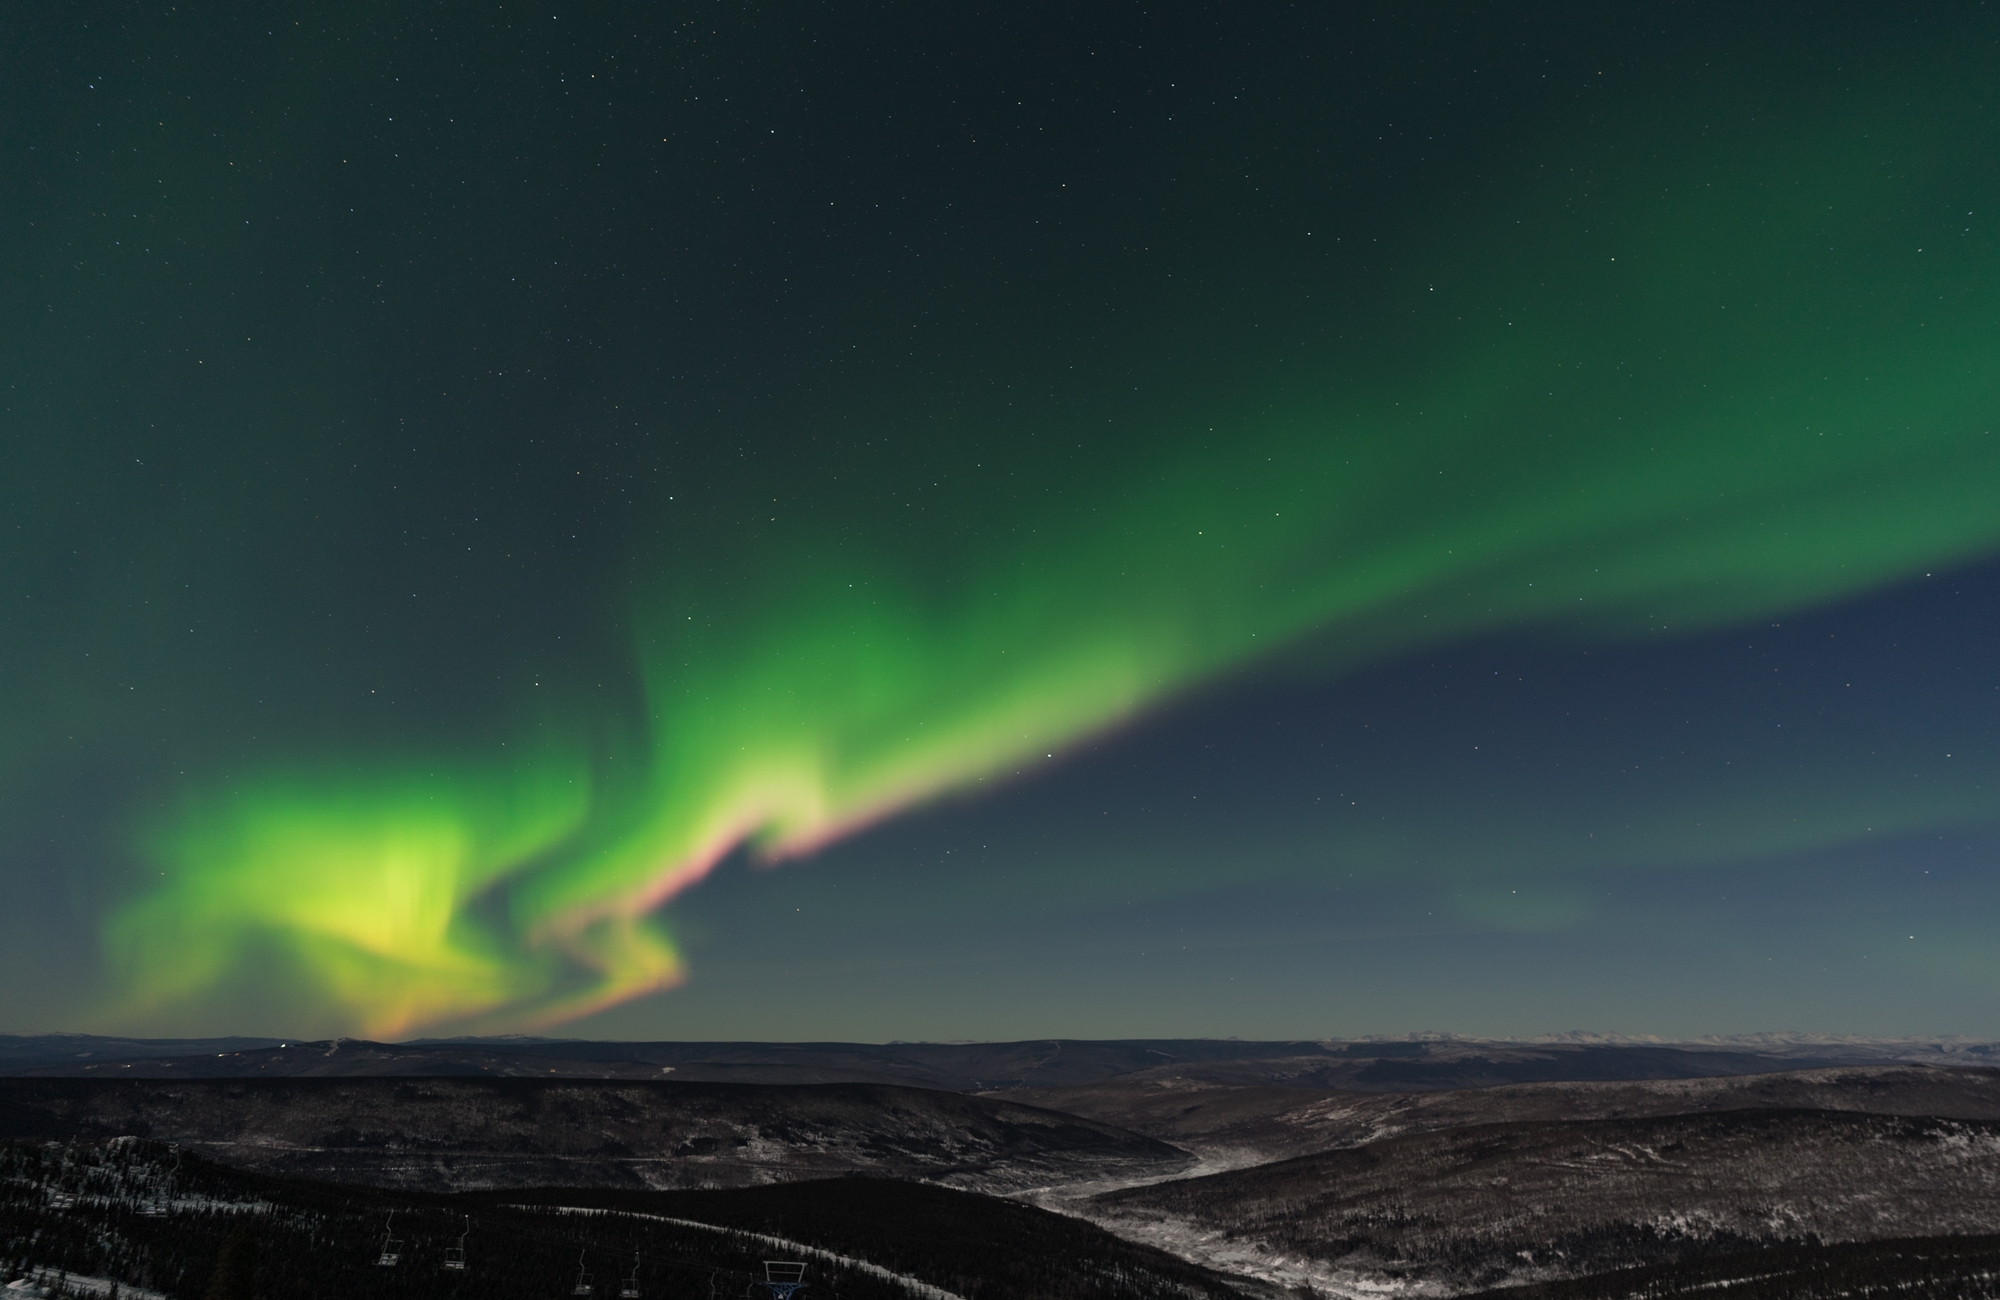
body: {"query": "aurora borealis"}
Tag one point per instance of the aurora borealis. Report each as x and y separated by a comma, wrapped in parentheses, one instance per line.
(481, 481)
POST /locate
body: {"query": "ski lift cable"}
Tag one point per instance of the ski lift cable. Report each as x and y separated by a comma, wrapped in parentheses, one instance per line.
(831, 1260)
(671, 1260)
(392, 1247)
(391, 1257)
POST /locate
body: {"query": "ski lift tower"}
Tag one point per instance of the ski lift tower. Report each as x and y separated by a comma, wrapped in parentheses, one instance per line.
(782, 1278)
(582, 1286)
(165, 1189)
(392, 1245)
(454, 1256)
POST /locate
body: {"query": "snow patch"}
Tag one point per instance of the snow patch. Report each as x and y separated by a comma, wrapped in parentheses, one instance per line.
(42, 1282)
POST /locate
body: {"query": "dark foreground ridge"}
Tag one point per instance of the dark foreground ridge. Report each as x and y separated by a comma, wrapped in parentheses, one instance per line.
(145, 1216)
(458, 1134)
(968, 1244)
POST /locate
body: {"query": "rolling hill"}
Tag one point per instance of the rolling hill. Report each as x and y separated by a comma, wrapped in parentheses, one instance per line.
(450, 1134)
(1496, 1204)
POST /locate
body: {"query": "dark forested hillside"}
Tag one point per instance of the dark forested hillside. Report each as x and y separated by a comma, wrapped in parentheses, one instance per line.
(1491, 1204)
(1234, 1123)
(455, 1134)
(1909, 1268)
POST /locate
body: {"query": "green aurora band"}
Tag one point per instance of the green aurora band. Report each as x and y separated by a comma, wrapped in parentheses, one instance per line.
(1755, 380)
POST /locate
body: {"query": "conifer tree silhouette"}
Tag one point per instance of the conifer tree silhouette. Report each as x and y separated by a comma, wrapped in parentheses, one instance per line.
(235, 1276)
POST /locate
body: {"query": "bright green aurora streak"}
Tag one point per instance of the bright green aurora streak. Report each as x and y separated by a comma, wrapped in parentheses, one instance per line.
(1758, 381)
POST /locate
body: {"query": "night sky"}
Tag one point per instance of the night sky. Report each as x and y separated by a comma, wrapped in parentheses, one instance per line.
(954, 521)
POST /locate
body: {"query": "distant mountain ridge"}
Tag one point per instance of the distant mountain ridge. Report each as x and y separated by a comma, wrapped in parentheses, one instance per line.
(1418, 1063)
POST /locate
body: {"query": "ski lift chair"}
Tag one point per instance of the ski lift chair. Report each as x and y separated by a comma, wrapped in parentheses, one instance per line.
(392, 1245)
(782, 1277)
(454, 1256)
